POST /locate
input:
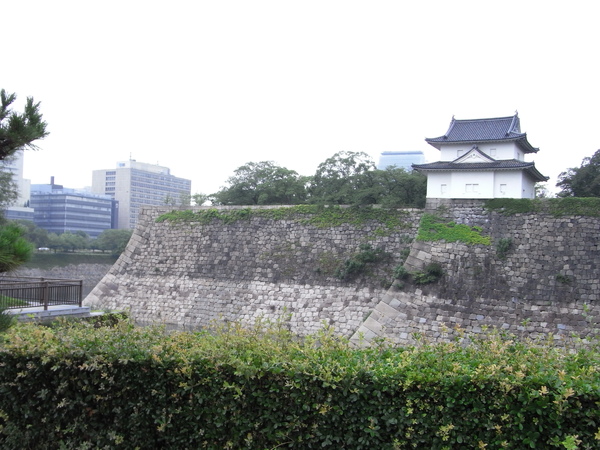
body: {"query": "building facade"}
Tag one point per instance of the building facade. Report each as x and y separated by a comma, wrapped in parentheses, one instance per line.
(402, 160)
(481, 159)
(135, 184)
(58, 210)
(19, 209)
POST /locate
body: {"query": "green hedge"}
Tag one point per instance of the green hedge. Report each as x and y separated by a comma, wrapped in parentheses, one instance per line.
(78, 386)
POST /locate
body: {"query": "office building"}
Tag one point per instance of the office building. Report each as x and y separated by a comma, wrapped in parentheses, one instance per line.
(135, 184)
(401, 160)
(19, 209)
(58, 209)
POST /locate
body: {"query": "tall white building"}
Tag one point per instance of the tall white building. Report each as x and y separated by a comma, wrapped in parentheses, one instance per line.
(135, 184)
(401, 160)
(19, 209)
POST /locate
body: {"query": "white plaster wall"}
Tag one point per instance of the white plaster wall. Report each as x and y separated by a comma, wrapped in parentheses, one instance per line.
(504, 150)
(512, 180)
(528, 188)
(485, 180)
(434, 185)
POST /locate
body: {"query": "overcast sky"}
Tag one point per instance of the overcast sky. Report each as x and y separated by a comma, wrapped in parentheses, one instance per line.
(203, 87)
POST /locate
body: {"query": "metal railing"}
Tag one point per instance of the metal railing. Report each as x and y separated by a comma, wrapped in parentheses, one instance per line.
(26, 292)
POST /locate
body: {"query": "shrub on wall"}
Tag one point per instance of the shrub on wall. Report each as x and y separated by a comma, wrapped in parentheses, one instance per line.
(77, 386)
(357, 263)
(503, 246)
(434, 228)
(432, 273)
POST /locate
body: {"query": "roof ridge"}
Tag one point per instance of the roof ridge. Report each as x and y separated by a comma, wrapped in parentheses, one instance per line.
(484, 119)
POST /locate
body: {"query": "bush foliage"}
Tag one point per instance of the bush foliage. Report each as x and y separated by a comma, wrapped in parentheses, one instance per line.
(434, 228)
(80, 386)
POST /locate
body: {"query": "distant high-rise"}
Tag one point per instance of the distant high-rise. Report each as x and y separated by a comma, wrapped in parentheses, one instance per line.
(58, 210)
(135, 184)
(19, 209)
(402, 160)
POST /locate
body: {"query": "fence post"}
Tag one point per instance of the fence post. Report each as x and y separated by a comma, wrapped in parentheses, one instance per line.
(80, 293)
(45, 294)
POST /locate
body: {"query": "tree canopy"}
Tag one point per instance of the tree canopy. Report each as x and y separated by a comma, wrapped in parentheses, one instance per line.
(343, 179)
(394, 187)
(19, 130)
(14, 248)
(583, 181)
(262, 183)
(113, 241)
(346, 178)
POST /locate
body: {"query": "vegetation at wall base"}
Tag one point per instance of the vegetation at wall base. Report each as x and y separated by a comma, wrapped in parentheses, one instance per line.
(77, 386)
(434, 228)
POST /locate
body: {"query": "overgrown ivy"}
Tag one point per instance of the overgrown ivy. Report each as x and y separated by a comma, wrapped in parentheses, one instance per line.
(434, 228)
(316, 215)
(557, 207)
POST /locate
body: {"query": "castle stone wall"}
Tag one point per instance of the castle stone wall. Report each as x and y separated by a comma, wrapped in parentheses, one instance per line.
(190, 274)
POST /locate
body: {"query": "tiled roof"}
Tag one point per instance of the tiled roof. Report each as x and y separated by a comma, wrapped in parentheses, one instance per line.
(507, 164)
(485, 130)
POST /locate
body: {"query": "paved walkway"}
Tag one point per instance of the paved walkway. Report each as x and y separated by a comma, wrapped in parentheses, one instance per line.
(38, 312)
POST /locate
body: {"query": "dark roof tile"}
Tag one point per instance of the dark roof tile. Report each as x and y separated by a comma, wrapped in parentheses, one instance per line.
(508, 164)
(482, 130)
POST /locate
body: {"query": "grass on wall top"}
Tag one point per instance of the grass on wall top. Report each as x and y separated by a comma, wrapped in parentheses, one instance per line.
(316, 215)
(557, 207)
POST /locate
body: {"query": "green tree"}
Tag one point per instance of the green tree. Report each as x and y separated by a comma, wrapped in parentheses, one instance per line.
(19, 130)
(34, 234)
(395, 187)
(8, 188)
(344, 179)
(262, 183)
(68, 241)
(583, 181)
(14, 248)
(113, 241)
(200, 198)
